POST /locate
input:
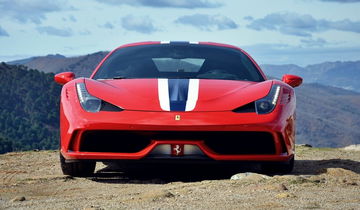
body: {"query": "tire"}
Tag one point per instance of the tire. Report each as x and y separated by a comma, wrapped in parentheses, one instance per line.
(278, 167)
(77, 169)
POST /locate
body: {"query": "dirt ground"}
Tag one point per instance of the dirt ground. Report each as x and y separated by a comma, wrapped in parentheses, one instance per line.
(322, 179)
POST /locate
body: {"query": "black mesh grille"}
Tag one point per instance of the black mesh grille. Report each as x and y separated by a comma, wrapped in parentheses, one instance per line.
(241, 143)
(113, 141)
(220, 142)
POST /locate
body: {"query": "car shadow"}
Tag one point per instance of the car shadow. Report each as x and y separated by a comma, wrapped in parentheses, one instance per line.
(314, 167)
(164, 174)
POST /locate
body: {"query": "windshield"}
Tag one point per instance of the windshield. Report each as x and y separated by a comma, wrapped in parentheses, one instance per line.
(179, 61)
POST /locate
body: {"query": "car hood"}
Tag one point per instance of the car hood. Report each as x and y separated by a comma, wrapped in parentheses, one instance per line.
(181, 94)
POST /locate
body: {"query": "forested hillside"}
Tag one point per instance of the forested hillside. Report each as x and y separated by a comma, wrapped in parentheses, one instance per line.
(29, 104)
(327, 116)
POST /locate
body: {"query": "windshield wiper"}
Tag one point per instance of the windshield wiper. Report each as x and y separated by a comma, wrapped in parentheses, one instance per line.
(180, 77)
(119, 77)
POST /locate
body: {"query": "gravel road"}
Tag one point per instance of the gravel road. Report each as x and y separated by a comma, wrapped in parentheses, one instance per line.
(323, 179)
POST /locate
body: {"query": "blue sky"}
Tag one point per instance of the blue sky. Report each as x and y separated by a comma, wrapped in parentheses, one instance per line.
(299, 32)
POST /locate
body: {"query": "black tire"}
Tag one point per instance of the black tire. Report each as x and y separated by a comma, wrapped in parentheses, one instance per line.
(278, 167)
(77, 169)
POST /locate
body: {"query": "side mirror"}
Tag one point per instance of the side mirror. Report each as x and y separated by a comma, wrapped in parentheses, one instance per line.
(292, 80)
(64, 77)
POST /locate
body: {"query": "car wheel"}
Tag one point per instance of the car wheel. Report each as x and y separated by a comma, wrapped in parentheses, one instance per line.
(278, 167)
(77, 169)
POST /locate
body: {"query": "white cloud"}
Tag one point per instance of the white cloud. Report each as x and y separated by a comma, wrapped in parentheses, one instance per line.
(30, 11)
(72, 18)
(300, 55)
(49, 30)
(107, 25)
(319, 42)
(301, 25)
(342, 1)
(3, 32)
(188, 4)
(139, 24)
(207, 22)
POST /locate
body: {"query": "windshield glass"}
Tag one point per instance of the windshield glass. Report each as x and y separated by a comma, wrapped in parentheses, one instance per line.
(179, 61)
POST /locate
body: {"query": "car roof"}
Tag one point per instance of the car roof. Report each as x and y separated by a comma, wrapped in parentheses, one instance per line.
(179, 43)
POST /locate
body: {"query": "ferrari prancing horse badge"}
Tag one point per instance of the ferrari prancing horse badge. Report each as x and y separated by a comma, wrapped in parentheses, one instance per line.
(177, 149)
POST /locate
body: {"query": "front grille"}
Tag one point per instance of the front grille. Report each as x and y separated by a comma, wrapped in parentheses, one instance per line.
(229, 142)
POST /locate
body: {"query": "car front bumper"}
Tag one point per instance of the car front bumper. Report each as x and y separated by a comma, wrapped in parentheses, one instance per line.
(276, 124)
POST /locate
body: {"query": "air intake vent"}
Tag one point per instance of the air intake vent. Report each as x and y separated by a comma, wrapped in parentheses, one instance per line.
(250, 107)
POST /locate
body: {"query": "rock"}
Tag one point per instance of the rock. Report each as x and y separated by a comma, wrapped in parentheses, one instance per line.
(317, 179)
(282, 187)
(68, 178)
(93, 208)
(285, 195)
(275, 187)
(169, 195)
(249, 176)
(304, 145)
(354, 147)
(160, 196)
(338, 172)
(18, 198)
(157, 195)
(291, 179)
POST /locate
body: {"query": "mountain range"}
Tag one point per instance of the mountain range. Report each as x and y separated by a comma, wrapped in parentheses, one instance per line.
(338, 74)
(327, 116)
(82, 66)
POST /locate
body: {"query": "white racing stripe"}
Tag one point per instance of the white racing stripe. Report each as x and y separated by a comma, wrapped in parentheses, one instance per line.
(193, 93)
(192, 97)
(163, 91)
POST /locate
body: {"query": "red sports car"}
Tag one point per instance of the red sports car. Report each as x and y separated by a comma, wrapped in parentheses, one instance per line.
(177, 101)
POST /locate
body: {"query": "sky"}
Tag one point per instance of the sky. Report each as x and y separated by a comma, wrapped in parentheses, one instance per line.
(301, 32)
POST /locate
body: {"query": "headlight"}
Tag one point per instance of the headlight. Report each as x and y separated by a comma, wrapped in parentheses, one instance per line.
(88, 102)
(268, 103)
